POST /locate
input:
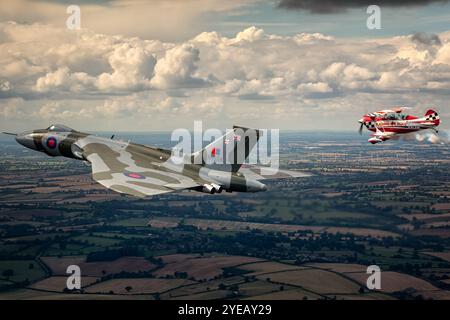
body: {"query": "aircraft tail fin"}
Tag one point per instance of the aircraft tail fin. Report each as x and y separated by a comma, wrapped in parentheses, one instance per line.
(433, 116)
(244, 145)
(232, 149)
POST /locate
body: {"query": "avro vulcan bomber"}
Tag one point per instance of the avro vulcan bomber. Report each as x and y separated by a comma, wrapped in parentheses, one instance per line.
(141, 170)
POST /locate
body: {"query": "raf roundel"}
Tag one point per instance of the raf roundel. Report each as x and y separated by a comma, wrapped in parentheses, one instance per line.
(134, 175)
(51, 143)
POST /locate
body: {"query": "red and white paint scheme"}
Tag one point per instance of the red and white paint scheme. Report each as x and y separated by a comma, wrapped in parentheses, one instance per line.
(387, 124)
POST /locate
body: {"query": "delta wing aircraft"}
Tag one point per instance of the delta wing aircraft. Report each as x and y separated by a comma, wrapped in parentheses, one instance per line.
(141, 170)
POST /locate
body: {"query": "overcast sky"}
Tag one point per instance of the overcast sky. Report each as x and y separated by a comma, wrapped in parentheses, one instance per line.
(160, 65)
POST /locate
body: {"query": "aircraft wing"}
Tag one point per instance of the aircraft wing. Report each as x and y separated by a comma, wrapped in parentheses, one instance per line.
(124, 168)
(268, 173)
(384, 135)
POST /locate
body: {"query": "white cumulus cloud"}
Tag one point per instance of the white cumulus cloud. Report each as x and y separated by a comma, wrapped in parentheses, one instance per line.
(252, 75)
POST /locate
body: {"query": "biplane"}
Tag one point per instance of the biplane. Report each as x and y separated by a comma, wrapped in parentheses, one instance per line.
(390, 123)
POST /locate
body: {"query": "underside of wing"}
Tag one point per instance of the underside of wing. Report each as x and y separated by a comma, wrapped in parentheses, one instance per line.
(128, 169)
(268, 173)
(387, 135)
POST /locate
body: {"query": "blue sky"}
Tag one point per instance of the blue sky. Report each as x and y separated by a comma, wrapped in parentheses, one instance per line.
(433, 18)
(179, 20)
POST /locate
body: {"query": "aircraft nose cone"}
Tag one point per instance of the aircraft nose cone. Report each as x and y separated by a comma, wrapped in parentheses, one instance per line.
(26, 140)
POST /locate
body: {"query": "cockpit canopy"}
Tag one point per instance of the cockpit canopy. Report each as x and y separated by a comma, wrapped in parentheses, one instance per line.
(394, 116)
(59, 128)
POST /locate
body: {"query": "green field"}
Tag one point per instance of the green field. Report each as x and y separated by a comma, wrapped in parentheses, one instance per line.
(132, 222)
(97, 241)
(119, 236)
(21, 270)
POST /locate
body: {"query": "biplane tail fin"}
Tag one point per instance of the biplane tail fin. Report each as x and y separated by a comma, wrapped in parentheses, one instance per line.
(432, 116)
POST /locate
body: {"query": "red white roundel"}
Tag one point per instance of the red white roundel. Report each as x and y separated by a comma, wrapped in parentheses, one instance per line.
(134, 175)
(51, 143)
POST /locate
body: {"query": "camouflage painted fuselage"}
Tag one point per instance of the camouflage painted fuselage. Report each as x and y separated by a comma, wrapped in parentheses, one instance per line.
(140, 170)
